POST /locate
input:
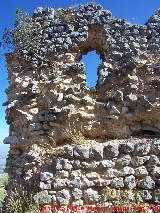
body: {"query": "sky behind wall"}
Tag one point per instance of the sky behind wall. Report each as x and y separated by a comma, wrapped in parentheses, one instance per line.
(135, 11)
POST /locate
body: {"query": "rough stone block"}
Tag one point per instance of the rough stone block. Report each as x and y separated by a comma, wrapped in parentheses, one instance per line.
(81, 152)
(111, 151)
(96, 152)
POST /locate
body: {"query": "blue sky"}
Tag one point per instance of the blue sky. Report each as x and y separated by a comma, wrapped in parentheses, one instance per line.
(135, 11)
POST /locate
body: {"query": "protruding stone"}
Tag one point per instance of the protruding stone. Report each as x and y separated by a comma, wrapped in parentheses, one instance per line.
(81, 152)
(96, 152)
(44, 186)
(117, 183)
(77, 193)
(46, 176)
(126, 148)
(147, 183)
(127, 171)
(63, 197)
(130, 182)
(141, 172)
(153, 161)
(107, 164)
(111, 151)
(142, 149)
(11, 140)
(123, 160)
(139, 161)
(68, 152)
(90, 195)
(156, 147)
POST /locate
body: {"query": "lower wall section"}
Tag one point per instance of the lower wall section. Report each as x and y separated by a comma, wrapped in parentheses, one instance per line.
(103, 174)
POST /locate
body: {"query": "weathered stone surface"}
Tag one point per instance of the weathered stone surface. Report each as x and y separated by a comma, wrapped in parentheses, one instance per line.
(107, 164)
(90, 195)
(42, 197)
(67, 136)
(147, 183)
(156, 196)
(141, 149)
(141, 172)
(130, 182)
(139, 161)
(155, 172)
(46, 176)
(81, 152)
(153, 161)
(63, 197)
(123, 160)
(127, 171)
(96, 152)
(11, 140)
(156, 147)
(126, 148)
(111, 151)
(60, 183)
(146, 195)
(77, 193)
(117, 183)
(45, 186)
(68, 151)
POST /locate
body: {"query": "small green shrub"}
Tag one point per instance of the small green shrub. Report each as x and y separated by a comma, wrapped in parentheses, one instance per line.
(21, 202)
(3, 182)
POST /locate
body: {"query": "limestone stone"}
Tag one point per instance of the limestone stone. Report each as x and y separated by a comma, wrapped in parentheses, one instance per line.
(63, 197)
(42, 197)
(127, 171)
(11, 140)
(141, 149)
(75, 183)
(147, 183)
(96, 152)
(90, 165)
(156, 147)
(141, 172)
(90, 195)
(86, 183)
(155, 172)
(68, 151)
(111, 151)
(44, 186)
(156, 196)
(77, 193)
(117, 183)
(139, 161)
(146, 195)
(130, 182)
(81, 152)
(126, 148)
(107, 164)
(153, 161)
(92, 175)
(123, 160)
(59, 183)
(46, 176)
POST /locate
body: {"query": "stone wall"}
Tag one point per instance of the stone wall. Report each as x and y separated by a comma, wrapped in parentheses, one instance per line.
(50, 106)
(86, 174)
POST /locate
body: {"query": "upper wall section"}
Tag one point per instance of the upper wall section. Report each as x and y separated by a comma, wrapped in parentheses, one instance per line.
(48, 81)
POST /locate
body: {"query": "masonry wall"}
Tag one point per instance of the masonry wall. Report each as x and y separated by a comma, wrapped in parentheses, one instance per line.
(49, 105)
(90, 174)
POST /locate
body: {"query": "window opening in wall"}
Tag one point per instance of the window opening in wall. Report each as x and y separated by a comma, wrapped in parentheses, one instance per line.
(91, 61)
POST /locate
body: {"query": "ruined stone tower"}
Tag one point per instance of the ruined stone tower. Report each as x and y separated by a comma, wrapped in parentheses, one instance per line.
(68, 142)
